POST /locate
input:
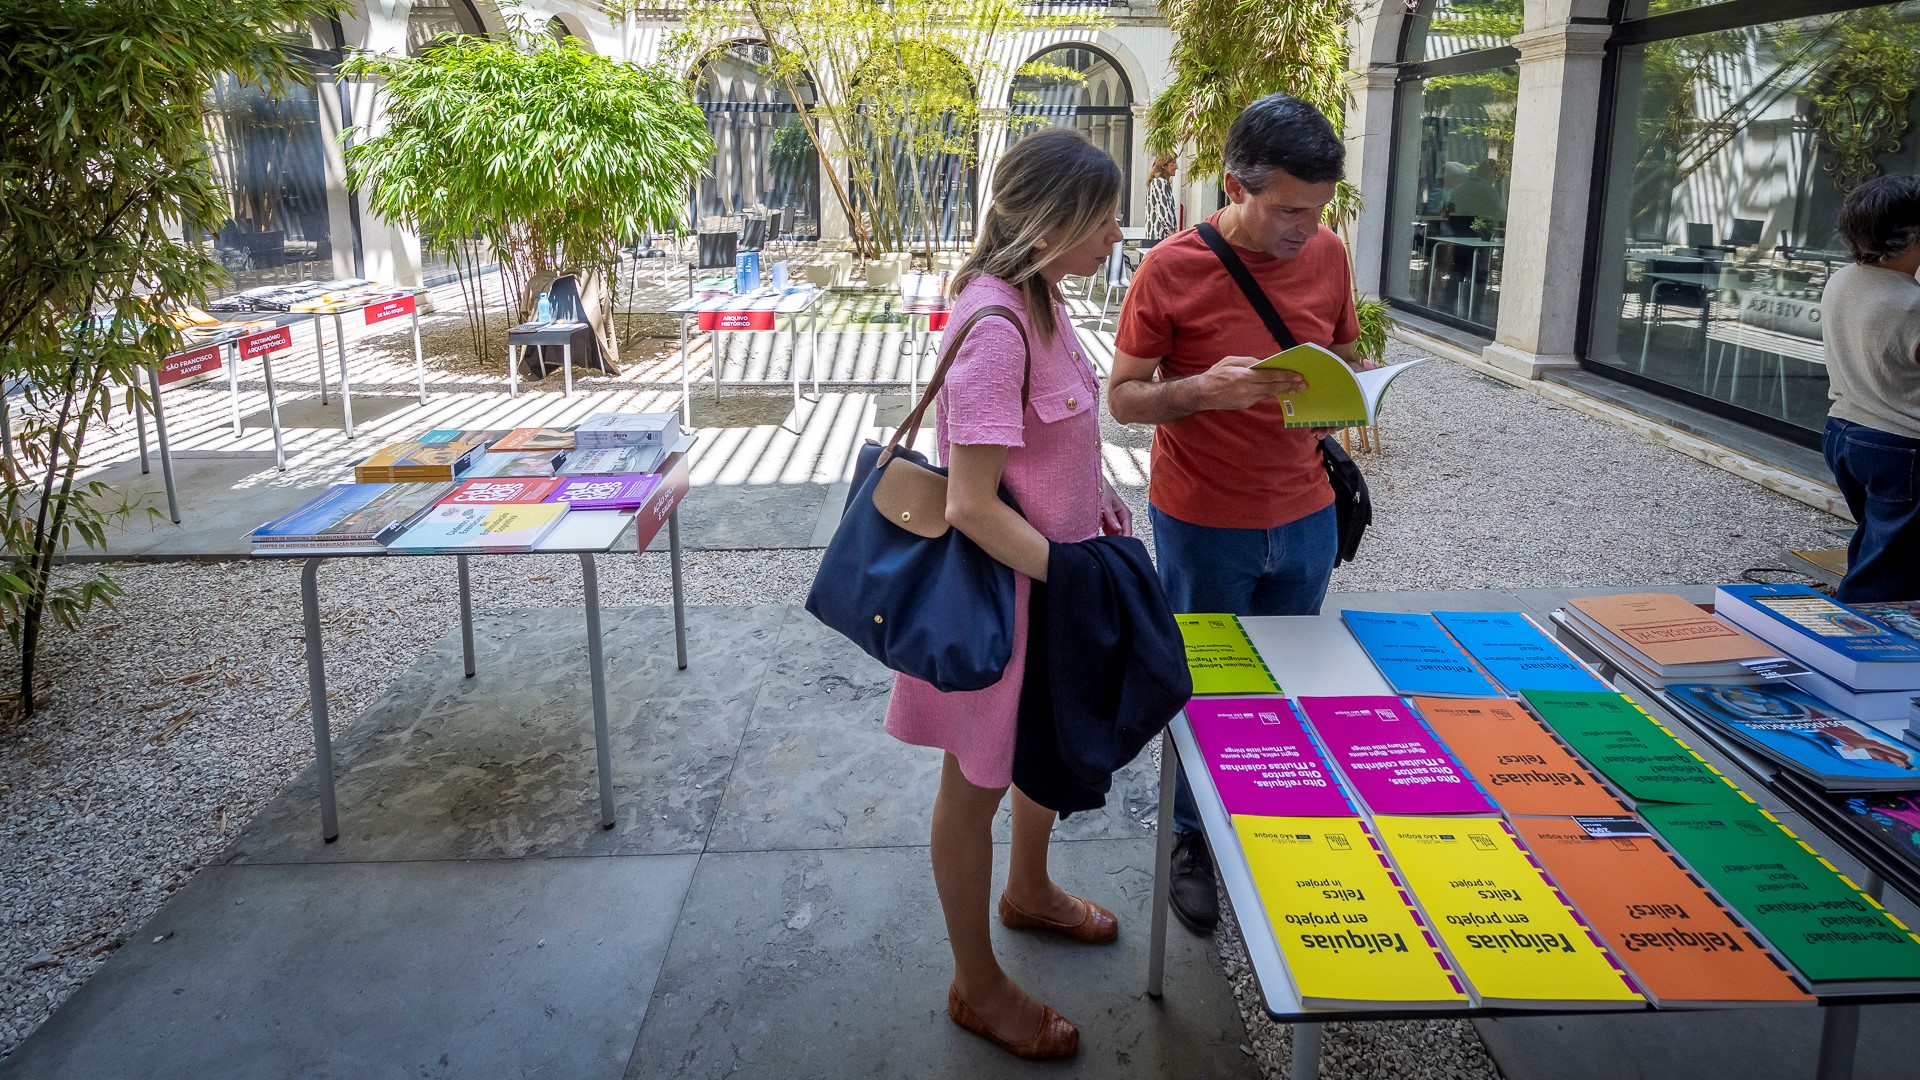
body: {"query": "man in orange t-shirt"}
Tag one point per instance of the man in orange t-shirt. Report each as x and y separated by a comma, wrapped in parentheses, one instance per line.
(1242, 513)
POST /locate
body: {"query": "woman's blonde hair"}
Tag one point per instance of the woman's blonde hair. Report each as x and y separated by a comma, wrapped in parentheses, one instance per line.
(1051, 178)
(1164, 165)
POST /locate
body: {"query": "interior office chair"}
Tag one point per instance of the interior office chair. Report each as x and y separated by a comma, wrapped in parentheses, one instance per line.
(1662, 294)
(1115, 276)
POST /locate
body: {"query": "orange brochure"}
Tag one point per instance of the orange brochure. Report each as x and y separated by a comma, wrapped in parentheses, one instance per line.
(1679, 942)
(1515, 758)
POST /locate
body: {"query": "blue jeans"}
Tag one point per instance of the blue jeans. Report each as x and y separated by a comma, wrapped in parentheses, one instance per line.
(1879, 474)
(1278, 571)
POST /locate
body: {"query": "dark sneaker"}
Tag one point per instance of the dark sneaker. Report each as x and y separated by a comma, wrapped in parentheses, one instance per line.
(1191, 893)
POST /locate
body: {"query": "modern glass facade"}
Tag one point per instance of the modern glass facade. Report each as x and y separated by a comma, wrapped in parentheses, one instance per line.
(1730, 154)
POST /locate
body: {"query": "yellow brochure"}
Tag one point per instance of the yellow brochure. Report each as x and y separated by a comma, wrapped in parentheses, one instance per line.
(1344, 926)
(1512, 934)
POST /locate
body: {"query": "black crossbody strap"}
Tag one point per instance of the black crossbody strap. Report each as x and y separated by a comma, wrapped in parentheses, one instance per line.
(1243, 277)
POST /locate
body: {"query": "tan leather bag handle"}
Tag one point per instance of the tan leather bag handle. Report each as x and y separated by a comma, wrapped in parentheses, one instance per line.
(910, 427)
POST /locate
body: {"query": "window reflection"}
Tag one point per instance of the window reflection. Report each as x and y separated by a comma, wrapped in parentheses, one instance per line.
(1450, 204)
(765, 177)
(269, 155)
(1731, 155)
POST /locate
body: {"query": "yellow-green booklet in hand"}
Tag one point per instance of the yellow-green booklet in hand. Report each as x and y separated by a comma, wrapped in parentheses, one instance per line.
(1335, 394)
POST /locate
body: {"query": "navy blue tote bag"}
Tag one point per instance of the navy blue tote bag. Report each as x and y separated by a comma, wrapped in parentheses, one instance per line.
(901, 583)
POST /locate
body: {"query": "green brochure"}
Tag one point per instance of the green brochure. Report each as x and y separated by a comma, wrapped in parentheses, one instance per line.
(1222, 659)
(1808, 910)
(1633, 750)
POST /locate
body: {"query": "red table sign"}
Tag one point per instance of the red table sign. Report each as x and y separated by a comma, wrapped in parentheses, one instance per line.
(737, 320)
(185, 365)
(937, 320)
(266, 341)
(659, 506)
(389, 309)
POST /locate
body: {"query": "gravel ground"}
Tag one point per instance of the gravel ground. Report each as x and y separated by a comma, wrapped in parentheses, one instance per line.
(168, 722)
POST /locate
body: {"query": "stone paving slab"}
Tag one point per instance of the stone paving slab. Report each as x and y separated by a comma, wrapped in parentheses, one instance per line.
(830, 965)
(365, 972)
(502, 765)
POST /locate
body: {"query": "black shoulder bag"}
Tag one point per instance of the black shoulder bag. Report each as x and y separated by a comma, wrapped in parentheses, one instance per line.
(1352, 507)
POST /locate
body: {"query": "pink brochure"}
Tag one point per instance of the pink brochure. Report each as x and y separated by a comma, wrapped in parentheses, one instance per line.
(1391, 759)
(1263, 761)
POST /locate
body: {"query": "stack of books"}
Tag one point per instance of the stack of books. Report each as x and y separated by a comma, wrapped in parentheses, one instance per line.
(535, 438)
(613, 461)
(405, 461)
(1660, 639)
(611, 430)
(1863, 662)
(1799, 732)
(349, 517)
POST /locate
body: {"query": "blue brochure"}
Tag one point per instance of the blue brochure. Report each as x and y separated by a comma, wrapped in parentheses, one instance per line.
(1805, 734)
(1516, 653)
(1415, 656)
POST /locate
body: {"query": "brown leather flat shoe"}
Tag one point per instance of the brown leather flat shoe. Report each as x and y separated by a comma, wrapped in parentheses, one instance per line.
(1098, 927)
(1056, 1040)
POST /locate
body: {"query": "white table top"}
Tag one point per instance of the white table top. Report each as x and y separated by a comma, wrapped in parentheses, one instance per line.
(795, 298)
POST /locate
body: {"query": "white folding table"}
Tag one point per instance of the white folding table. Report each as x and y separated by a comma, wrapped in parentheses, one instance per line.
(755, 312)
(586, 533)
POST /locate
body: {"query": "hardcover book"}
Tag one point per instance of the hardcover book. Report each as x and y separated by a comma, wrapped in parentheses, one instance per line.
(1831, 638)
(1679, 942)
(1347, 929)
(1793, 728)
(539, 463)
(1516, 653)
(1668, 635)
(1631, 749)
(1221, 659)
(1415, 656)
(1509, 930)
(1263, 761)
(1390, 759)
(484, 438)
(614, 461)
(1819, 920)
(536, 438)
(1885, 827)
(416, 461)
(609, 429)
(1516, 759)
(605, 492)
(352, 513)
(502, 490)
(480, 527)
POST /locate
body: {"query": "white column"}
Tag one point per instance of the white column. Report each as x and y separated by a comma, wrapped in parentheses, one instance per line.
(1556, 125)
(1369, 137)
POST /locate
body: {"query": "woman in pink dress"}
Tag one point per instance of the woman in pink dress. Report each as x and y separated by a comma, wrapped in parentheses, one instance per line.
(1054, 200)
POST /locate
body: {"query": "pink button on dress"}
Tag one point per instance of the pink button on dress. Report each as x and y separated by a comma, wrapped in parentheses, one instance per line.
(1052, 472)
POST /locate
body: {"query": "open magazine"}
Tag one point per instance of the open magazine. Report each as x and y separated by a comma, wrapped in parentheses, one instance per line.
(1335, 394)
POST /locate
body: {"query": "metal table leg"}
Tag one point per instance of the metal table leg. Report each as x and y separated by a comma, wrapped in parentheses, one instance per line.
(233, 386)
(140, 433)
(513, 370)
(1163, 855)
(718, 338)
(679, 597)
(419, 357)
(346, 390)
(166, 453)
(566, 367)
(1840, 1027)
(466, 613)
(1306, 1052)
(317, 697)
(813, 343)
(320, 356)
(686, 382)
(273, 412)
(597, 673)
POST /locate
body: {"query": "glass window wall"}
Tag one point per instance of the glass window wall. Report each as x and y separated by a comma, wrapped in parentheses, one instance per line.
(1452, 172)
(270, 156)
(1730, 157)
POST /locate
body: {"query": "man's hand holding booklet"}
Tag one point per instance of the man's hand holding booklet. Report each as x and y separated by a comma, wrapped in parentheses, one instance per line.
(1335, 395)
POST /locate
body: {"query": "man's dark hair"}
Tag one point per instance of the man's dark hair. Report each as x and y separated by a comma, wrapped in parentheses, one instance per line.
(1881, 218)
(1285, 133)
